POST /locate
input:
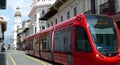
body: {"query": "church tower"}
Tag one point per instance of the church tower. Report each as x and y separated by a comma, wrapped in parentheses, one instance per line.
(17, 24)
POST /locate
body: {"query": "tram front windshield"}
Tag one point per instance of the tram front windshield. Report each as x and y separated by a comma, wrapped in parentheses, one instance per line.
(104, 34)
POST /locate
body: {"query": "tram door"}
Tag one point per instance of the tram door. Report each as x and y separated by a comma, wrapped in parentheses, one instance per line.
(82, 53)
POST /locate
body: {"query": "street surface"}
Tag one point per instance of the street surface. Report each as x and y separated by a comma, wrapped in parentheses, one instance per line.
(15, 57)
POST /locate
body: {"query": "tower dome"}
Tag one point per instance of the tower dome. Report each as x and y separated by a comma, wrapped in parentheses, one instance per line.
(18, 13)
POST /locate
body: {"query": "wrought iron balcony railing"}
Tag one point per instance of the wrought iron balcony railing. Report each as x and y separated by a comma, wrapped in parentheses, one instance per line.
(108, 7)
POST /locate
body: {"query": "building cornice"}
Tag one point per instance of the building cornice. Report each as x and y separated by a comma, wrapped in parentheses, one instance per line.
(53, 9)
(36, 7)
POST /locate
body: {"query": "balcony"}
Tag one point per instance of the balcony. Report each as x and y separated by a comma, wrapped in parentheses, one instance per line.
(108, 7)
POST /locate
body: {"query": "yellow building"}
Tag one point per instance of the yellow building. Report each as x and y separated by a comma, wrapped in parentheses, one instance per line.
(22, 33)
(19, 38)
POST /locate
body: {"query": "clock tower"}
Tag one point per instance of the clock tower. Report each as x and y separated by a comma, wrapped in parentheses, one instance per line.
(17, 24)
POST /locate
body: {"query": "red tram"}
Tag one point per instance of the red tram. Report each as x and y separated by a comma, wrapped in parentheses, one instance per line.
(81, 40)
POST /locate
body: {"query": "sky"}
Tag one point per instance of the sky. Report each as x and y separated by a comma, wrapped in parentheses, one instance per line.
(8, 14)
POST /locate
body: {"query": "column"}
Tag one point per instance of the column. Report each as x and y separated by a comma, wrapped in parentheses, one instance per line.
(37, 22)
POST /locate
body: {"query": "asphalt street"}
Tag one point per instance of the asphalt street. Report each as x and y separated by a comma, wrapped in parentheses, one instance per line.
(15, 57)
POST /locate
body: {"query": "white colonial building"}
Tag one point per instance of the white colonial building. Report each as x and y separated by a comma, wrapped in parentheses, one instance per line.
(64, 9)
(17, 24)
(38, 8)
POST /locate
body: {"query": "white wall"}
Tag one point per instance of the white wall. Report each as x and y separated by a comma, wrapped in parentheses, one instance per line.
(117, 4)
(37, 13)
(62, 11)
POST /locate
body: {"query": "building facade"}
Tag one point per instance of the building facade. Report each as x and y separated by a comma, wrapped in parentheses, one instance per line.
(3, 26)
(117, 13)
(25, 32)
(65, 9)
(17, 25)
(22, 33)
(19, 39)
(38, 9)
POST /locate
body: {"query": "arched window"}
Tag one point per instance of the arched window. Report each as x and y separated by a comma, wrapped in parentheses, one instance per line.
(75, 11)
(43, 12)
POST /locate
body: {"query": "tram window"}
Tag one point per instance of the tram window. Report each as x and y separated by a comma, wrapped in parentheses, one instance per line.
(28, 44)
(43, 43)
(48, 42)
(82, 42)
(60, 41)
(69, 40)
(31, 44)
(36, 43)
(56, 42)
(63, 41)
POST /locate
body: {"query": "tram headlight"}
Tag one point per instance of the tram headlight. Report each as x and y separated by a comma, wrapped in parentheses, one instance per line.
(99, 56)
